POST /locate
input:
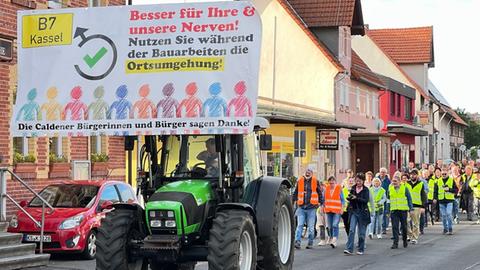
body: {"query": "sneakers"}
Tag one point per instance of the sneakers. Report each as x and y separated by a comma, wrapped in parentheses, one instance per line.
(359, 252)
(414, 242)
(450, 233)
(347, 252)
(370, 235)
(394, 246)
(333, 243)
(321, 243)
(297, 245)
(329, 240)
(444, 232)
(379, 236)
(405, 244)
(309, 246)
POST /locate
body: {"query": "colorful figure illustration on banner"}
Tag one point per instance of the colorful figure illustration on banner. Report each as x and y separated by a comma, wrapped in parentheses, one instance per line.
(241, 105)
(52, 109)
(214, 106)
(120, 109)
(192, 104)
(168, 106)
(144, 107)
(75, 109)
(99, 108)
(30, 111)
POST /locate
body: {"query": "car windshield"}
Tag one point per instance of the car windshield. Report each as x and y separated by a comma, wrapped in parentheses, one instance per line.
(67, 196)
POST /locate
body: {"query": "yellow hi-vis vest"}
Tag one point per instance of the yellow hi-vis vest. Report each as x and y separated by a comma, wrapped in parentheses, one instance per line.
(475, 186)
(431, 187)
(416, 193)
(398, 199)
(377, 198)
(441, 193)
(345, 191)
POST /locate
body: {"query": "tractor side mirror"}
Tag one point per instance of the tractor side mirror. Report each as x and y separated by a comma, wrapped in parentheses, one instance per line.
(266, 142)
(23, 204)
(129, 143)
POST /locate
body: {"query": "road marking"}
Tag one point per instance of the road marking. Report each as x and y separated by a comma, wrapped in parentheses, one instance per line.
(472, 266)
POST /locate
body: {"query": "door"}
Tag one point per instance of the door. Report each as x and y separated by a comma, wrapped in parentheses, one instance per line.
(364, 157)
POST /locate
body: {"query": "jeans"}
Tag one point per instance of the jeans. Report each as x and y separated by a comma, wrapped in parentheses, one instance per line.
(376, 225)
(362, 228)
(303, 215)
(446, 212)
(468, 200)
(456, 203)
(370, 227)
(332, 220)
(399, 217)
(386, 216)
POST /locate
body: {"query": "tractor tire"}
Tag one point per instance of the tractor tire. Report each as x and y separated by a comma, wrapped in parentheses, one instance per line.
(119, 227)
(172, 266)
(233, 241)
(276, 250)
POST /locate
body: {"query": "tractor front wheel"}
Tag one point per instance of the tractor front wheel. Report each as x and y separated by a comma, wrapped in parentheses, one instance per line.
(277, 249)
(233, 242)
(119, 228)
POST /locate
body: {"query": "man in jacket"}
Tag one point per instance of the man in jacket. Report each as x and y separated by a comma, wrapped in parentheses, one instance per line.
(400, 205)
(444, 193)
(308, 197)
(419, 200)
(467, 191)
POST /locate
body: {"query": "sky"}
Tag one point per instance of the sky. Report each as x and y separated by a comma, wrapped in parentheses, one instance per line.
(455, 34)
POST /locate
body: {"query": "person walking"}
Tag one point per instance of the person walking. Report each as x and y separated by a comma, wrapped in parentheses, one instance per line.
(386, 207)
(334, 202)
(419, 200)
(475, 185)
(359, 215)
(321, 221)
(457, 178)
(467, 191)
(445, 195)
(308, 197)
(432, 204)
(379, 195)
(347, 186)
(423, 217)
(400, 205)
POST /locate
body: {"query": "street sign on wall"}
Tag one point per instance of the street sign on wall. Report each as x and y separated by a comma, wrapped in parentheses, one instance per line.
(327, 139)
(127, 70)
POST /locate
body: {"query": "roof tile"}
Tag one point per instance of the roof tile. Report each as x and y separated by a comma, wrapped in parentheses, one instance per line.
(325, 13)
(406, 45)
(361, 72)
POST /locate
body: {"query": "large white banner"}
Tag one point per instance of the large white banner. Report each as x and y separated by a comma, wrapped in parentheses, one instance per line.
(155, 69)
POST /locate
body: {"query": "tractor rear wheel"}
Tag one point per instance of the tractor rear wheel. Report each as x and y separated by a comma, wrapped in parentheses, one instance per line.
(277, 249)
(233, 242)
(114, 236)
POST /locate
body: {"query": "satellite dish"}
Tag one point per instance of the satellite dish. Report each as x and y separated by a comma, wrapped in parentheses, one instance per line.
(380, 124)
(463, 147)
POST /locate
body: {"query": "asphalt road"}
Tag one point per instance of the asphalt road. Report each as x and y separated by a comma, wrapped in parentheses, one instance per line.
(434, 251)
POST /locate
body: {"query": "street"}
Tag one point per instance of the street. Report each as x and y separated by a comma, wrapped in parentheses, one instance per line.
(433, 252)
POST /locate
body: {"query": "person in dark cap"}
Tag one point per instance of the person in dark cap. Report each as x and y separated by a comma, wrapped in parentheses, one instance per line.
(419, 201)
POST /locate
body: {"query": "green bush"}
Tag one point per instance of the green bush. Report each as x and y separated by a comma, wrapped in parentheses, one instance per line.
(19, 158)
(57, 159)
(99, 157)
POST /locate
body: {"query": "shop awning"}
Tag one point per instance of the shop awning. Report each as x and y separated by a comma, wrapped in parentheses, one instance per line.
(301, 118)
(406, 128)
(358, 137)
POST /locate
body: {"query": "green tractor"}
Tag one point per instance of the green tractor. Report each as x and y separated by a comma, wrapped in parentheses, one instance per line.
(205, 200)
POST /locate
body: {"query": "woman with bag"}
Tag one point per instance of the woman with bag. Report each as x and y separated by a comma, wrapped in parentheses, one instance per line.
(359, 215)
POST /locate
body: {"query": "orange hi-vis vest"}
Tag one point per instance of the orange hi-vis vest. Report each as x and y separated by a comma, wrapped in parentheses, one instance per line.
(333, 203)
(301, 191)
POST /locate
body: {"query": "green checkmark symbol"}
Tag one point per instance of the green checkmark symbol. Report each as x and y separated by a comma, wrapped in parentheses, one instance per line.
(92, 61)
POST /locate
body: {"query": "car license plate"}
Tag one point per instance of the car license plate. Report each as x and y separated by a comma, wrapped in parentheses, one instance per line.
(36, 238)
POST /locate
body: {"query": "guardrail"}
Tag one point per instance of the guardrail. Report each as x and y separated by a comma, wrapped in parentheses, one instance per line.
(4, 196)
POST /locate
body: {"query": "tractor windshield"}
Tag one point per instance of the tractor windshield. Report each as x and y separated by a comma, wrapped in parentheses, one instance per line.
(187, 156)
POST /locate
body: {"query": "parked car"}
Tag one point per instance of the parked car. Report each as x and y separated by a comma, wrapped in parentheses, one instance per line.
(78, 210)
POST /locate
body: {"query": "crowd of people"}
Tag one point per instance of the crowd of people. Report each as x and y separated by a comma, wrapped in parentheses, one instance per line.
(368, 204)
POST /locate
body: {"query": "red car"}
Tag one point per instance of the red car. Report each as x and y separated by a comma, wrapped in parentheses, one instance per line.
(72, 226)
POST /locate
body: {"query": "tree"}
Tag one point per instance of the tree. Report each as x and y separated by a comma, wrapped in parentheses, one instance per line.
(472, 132)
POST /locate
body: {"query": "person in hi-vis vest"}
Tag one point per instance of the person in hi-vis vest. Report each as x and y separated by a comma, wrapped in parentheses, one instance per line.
(308, 197)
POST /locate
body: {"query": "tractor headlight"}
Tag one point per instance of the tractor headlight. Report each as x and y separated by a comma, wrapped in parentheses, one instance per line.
(162, 219)
(170, 224)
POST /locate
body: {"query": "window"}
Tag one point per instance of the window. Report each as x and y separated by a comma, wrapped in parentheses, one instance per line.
(375, 106)
(20, 145)
(96, 3)
(398, 105)
(126, 195)
(66, 196)
(367, 105)
(357, 92)
(109, 194)
(392, 103)
(55, 146)
(408, 109)
(347, 95)
(98, 144)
